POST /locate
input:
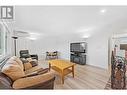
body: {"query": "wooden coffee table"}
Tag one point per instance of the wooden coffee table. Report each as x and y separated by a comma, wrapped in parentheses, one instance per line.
(63, 67)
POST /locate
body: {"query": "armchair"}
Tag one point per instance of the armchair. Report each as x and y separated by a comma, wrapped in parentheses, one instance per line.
(25, 54)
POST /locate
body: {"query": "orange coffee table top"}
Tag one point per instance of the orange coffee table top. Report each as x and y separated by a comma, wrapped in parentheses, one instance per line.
(61, 64)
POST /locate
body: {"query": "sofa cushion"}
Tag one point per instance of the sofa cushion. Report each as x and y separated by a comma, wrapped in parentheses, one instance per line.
(13, 70)
(33, 69)
(18, 61)
(9, 62)
(33, 63)
(27, 66)
(29, 59)
(31, 81)
(24, 60)
(32, 60)
(37, 72)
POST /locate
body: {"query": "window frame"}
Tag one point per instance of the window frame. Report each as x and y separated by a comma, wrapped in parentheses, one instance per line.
(4, 42)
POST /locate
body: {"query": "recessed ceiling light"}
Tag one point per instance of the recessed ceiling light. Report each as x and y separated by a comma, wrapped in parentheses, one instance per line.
(103, 10)
(32, 38)
(86, 36)
(85, 29)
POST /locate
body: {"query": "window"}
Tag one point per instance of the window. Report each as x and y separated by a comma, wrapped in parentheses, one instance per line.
(3, 40)
(0, 42)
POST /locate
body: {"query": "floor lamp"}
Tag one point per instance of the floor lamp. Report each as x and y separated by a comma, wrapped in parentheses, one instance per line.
(15, 38)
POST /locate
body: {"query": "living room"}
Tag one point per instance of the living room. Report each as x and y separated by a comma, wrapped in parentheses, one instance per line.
(60, 26)
(41, 29)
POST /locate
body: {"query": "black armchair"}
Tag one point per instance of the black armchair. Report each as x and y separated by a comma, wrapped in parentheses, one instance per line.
(34, 56)
(25, 54)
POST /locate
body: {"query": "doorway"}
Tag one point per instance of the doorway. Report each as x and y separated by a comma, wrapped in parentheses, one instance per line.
(118, 44)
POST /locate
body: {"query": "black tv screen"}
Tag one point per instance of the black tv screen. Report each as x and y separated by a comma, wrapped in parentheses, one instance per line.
(78, 47)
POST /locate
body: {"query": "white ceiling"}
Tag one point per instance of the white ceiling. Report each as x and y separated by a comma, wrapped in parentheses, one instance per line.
(78, 21)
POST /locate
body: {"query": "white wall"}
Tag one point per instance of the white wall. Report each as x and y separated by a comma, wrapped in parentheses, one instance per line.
(97, 54)
(44, 44)
(59, 26)
(98, 43)
(98, 48)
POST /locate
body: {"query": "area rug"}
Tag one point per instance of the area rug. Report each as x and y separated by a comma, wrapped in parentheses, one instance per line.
(108, 85)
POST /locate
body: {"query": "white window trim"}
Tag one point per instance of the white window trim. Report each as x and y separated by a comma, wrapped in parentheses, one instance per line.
(4, 53)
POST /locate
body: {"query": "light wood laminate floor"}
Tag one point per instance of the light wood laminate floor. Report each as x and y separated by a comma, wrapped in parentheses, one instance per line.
(86, 77)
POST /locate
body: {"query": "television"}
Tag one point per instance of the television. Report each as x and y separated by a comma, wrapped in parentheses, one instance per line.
(78, 47)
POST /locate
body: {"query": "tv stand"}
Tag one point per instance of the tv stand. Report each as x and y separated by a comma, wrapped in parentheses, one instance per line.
(79, 58)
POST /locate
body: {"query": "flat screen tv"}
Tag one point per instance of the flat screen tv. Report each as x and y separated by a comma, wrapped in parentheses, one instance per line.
(78, 47)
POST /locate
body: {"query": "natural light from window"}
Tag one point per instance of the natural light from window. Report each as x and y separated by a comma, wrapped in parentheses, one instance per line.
(3, 40)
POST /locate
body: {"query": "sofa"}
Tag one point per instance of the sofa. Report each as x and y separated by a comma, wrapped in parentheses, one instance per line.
(18, 75)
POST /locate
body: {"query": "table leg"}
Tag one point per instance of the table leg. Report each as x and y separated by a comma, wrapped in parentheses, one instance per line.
(62, 77)
(73, 71)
